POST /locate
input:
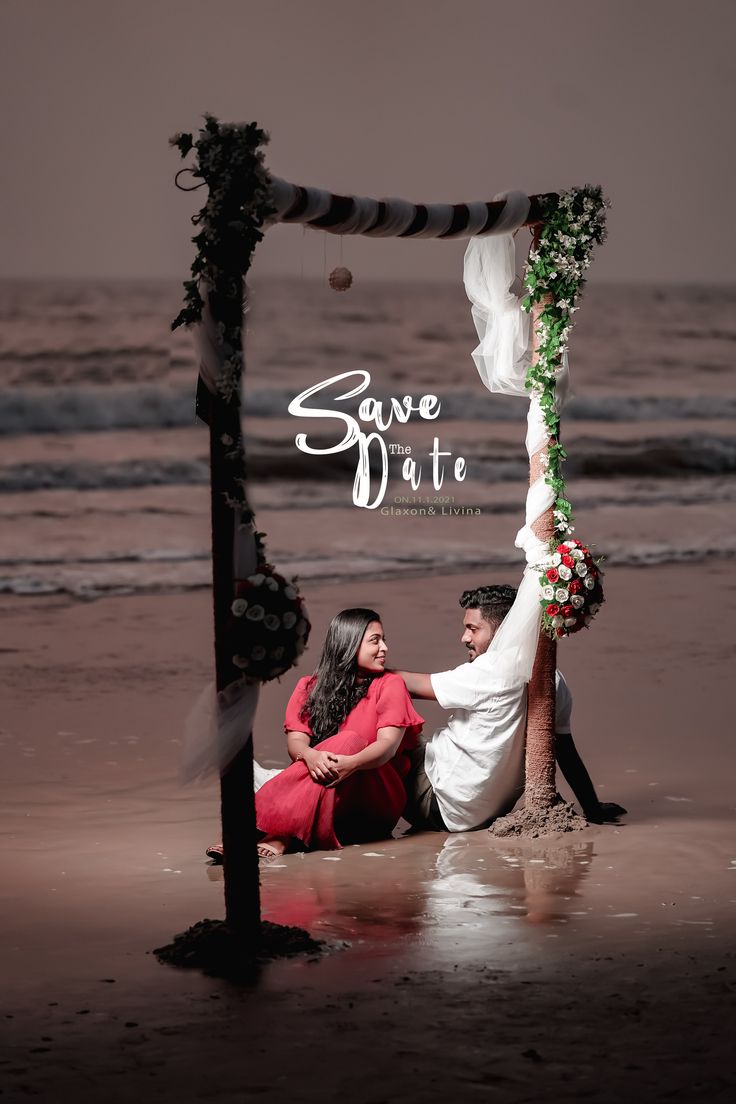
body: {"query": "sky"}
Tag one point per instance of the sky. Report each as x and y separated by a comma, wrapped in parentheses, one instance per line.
(438, 101)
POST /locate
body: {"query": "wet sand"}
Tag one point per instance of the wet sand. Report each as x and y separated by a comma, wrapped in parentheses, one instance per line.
(587, 966)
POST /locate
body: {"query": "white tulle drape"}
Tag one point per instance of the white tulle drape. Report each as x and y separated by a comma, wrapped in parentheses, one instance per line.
(502, 358)
(216, 729)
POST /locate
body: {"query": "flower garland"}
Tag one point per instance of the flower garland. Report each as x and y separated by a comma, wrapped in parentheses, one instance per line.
(230, 162)
(268, 626)
(574, 222)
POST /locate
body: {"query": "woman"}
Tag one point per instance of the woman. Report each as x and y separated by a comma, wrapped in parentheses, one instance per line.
(349, 729)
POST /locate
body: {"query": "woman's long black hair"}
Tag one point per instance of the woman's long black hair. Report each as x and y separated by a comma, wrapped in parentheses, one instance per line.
(335, 691)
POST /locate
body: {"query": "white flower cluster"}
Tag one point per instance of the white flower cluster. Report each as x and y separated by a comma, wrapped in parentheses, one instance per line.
(256, 612)
(277, 634)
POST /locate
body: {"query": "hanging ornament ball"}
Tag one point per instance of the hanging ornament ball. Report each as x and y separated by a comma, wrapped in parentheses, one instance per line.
(341, 279)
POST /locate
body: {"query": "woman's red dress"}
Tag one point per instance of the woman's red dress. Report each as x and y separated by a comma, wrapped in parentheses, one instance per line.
(368, 804)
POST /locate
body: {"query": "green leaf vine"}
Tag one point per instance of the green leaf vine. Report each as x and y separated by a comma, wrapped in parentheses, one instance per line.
(230, 162)
(574, 223)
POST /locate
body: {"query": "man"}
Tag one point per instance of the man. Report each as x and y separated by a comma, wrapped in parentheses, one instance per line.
(471, 770)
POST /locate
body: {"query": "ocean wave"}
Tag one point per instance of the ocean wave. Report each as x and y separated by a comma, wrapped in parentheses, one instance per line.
(596, 458)
(654, 458)
(657, 458)
(71, 409)
(163, 573)
(288, 497)
(287, 465)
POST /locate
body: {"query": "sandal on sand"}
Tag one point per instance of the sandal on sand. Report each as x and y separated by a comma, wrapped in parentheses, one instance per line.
(267, 854)
(216, 852)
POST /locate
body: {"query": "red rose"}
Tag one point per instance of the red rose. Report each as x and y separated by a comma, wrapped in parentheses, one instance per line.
(562, 549)
(567, 611)
(553, 609)
(553, 575)
(560, 632)
(568, 561)
(575, 586)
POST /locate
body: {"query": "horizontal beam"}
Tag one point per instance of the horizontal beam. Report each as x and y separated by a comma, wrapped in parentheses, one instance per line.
(382, 218)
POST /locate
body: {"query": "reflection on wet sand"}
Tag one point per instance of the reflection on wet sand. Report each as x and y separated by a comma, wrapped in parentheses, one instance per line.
(491, 900)
(427, 889)
(537, 881)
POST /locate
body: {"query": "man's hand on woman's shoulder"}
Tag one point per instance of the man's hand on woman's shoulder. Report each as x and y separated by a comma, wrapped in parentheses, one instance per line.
(419, 685)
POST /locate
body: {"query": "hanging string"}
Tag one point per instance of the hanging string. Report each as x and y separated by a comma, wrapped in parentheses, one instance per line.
(181, 186)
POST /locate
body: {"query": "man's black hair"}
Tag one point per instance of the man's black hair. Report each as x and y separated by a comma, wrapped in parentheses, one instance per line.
(494, 602)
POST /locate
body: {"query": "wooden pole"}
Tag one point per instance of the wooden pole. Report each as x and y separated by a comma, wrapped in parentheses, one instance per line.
(540, 786)
(242, 888)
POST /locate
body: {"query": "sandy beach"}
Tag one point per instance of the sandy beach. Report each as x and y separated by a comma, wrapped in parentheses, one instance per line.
(591, 965)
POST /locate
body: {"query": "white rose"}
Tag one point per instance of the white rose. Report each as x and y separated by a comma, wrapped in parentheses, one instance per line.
(594, 608)
(577, 600)
(239, 607)
(570, 622)
(588, 619)
(289, 619)
(570, 544)
(548, 593)
(271, 621)
(300, 646)
(301, 627)
(271, 583)
(255, 613)
(565, 572)
(240, 661)
(256, 580)
(558, 622)
(577, 554)
(556, 559)
(561, 594)
(258, 652)
(290, 593)
(226, 440)
(590, 582)
(581, 569)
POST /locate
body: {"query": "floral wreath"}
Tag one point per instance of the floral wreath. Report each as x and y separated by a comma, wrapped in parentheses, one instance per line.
(572, 591)
(269, 626)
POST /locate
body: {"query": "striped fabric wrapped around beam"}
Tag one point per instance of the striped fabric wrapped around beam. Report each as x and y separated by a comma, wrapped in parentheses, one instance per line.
(396, 218)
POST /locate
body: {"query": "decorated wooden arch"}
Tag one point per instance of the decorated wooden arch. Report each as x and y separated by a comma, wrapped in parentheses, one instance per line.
(242, 200)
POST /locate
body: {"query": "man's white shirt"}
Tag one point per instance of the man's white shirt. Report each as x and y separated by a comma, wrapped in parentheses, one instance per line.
(475, 761)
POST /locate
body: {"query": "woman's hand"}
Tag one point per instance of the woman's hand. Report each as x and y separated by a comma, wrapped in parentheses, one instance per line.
(342, 767)
(321, 765)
